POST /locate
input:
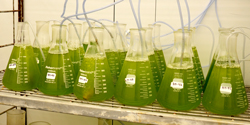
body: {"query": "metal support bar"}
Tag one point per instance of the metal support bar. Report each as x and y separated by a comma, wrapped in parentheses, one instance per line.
(21, 12)
(11, 44)
(7, 110)
(7, 11)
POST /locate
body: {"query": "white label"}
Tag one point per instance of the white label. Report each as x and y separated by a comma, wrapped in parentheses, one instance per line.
(226, 88)
(177, 83)
(51, 75)
(130, 79)
(12, 66)
(82, 79)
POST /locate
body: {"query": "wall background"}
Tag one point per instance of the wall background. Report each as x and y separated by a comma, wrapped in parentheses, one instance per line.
(232, 13)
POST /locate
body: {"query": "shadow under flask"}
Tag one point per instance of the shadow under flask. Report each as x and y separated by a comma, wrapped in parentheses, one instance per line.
(22, 72)
(94, 81)
(58, 73)
(225, 91)
(179, 89)
(136, 85)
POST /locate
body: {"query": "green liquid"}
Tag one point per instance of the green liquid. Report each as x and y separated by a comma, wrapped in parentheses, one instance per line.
(60, 65)
(209, 74)
(122, 58)
(25, 74)
(198, 68)
(38, 55)
(76, 56)
(185, 98)
(215, 100)
(141, 90)
(155, 71)
(94, 81)
(161, 61)
(85, 46)
(114, 64)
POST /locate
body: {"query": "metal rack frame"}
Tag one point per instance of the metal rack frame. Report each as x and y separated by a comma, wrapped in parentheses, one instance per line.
(111, 109)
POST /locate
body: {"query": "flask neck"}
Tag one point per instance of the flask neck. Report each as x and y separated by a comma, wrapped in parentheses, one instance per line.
(95, 46)
(109, 35)
(156, 36)
(73, 39)
(22, 34)
(58, 45)
(42, 33)
(121, 42)
(148, 41)
(137, 50)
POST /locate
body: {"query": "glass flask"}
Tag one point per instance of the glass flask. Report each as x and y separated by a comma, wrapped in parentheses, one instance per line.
(196, 60)
(225, 93)
(22, 72)
(152, 59)
(42, 36)
(76, 50)
(224, 33)
(121, 42)
(111, 52)
(179, 89)
(58, 72)
(86, 34)
(136, 85)
(157, 48)
(94, 81)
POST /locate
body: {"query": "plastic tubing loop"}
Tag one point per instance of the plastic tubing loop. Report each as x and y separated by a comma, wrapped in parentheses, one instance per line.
(139, 12)
(193, 19)
(204, 12)
(37, 41)
(83, 7)
(216, 11)
(183, 34)
(188, 14)
(122, 36)
(228, 39)
(244, 49)
(211, 52)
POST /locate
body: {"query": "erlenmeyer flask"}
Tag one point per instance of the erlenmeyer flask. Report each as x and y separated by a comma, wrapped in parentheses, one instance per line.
(76, 50)
(224, 33)
(179, 89)
(157, 48)
(94, 80)
(58, 73)
(225, 93)
(196, 60)
(42, 36)
(22, 72)
(135, 85)
(111, 52)
(121, 42)
(85, 38)
(152, 59)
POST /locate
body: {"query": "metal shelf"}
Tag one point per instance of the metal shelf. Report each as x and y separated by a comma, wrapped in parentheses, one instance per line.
(111, 109)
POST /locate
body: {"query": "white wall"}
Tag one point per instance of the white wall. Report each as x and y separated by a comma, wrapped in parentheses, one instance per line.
(232, 13)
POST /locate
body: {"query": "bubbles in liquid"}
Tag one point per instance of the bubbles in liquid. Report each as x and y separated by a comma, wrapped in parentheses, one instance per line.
(76, 56)
(114, 64)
